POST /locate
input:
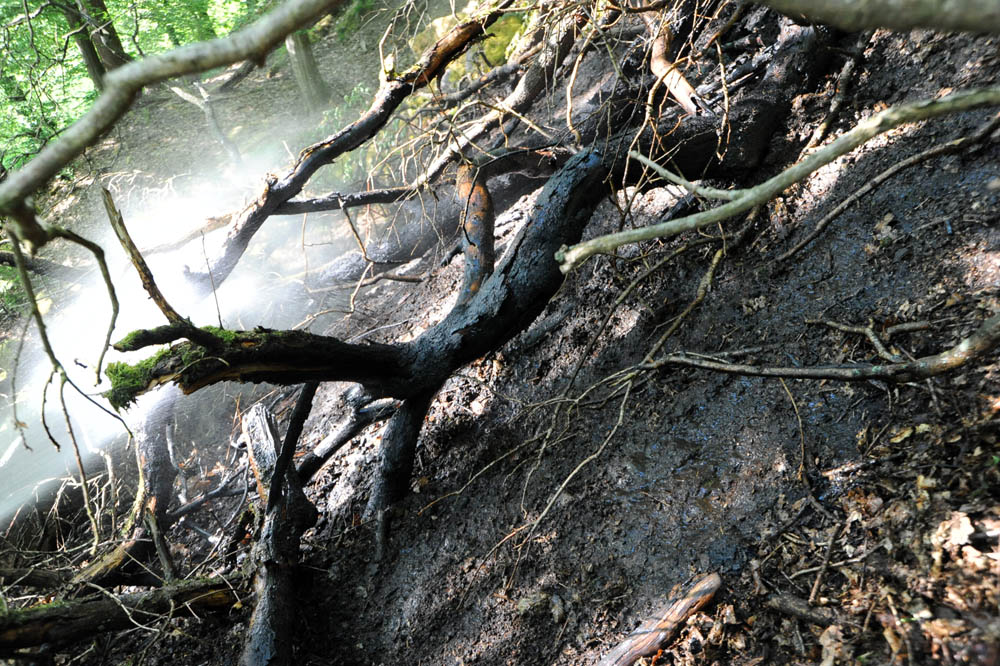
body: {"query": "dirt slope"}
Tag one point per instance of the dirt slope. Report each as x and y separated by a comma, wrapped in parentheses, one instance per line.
(690, 472)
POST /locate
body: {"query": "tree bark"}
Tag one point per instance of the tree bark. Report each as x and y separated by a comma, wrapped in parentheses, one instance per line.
(95, 68)
(980, 16)
(276, 550)
(103, 33)
(315, 92)
(66, 622)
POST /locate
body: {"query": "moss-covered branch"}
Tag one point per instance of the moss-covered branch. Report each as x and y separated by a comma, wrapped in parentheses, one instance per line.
(262, 354)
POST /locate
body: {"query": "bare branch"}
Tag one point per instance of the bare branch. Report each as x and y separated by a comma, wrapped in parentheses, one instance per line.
(982, 342)
(572, 257)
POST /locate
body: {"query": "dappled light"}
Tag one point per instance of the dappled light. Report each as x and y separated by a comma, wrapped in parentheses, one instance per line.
(350, 331)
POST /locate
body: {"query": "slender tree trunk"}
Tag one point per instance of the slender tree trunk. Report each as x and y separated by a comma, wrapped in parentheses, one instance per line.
(314, 90)
(104, 35)
(95, 69)
(204, 30)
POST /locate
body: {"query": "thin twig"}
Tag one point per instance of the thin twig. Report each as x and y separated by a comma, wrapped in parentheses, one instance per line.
(943, 149)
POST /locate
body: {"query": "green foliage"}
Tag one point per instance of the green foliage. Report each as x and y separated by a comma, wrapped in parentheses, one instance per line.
(13, 298)
(351, 18)
(44, 83)
(500, 35)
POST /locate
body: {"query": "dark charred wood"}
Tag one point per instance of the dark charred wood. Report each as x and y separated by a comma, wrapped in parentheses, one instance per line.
(303, 405)
(434, 216)
(395, 463)
(337, 201)
(507, 302)
(287, 515)
(363, 411)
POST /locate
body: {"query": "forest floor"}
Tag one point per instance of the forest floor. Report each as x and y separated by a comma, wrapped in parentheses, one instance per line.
(876, 506)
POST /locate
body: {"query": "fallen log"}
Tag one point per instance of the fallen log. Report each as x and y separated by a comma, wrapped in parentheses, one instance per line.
(61, 623)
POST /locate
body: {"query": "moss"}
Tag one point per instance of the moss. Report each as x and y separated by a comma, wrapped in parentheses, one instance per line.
(499, 37)
(228, 337)
(129, 381)
(131, 341)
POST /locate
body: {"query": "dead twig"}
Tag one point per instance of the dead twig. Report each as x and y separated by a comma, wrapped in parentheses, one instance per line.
(943, 149)
(981, 342)
(866, 331)
(661, 626)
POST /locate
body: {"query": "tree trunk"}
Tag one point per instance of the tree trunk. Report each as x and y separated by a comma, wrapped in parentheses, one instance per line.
(204, 29)
(95, 69)
(314, 90)
(105, 37)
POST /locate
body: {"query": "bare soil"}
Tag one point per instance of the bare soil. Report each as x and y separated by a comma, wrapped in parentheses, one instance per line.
(879, 503)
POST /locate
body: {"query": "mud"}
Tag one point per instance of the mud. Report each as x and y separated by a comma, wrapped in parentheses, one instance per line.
(547, 519)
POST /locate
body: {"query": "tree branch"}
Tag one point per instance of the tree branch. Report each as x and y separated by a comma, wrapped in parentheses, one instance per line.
(980, 343)
(570, 258)
(982, 16)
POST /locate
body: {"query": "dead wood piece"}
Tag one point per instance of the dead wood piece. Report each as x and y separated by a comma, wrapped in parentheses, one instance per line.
(800, 608)
(395, 463)
(663, 69)
(239, 73)
(303, 405)
(509, 300)
(430, 215)
(275, 553)
(662, 625)
(477, 220)
(142, 532)
(361, 415)
(32, 577)
(66, 622)
(983, 341)
(45, 267)
(146, 275)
